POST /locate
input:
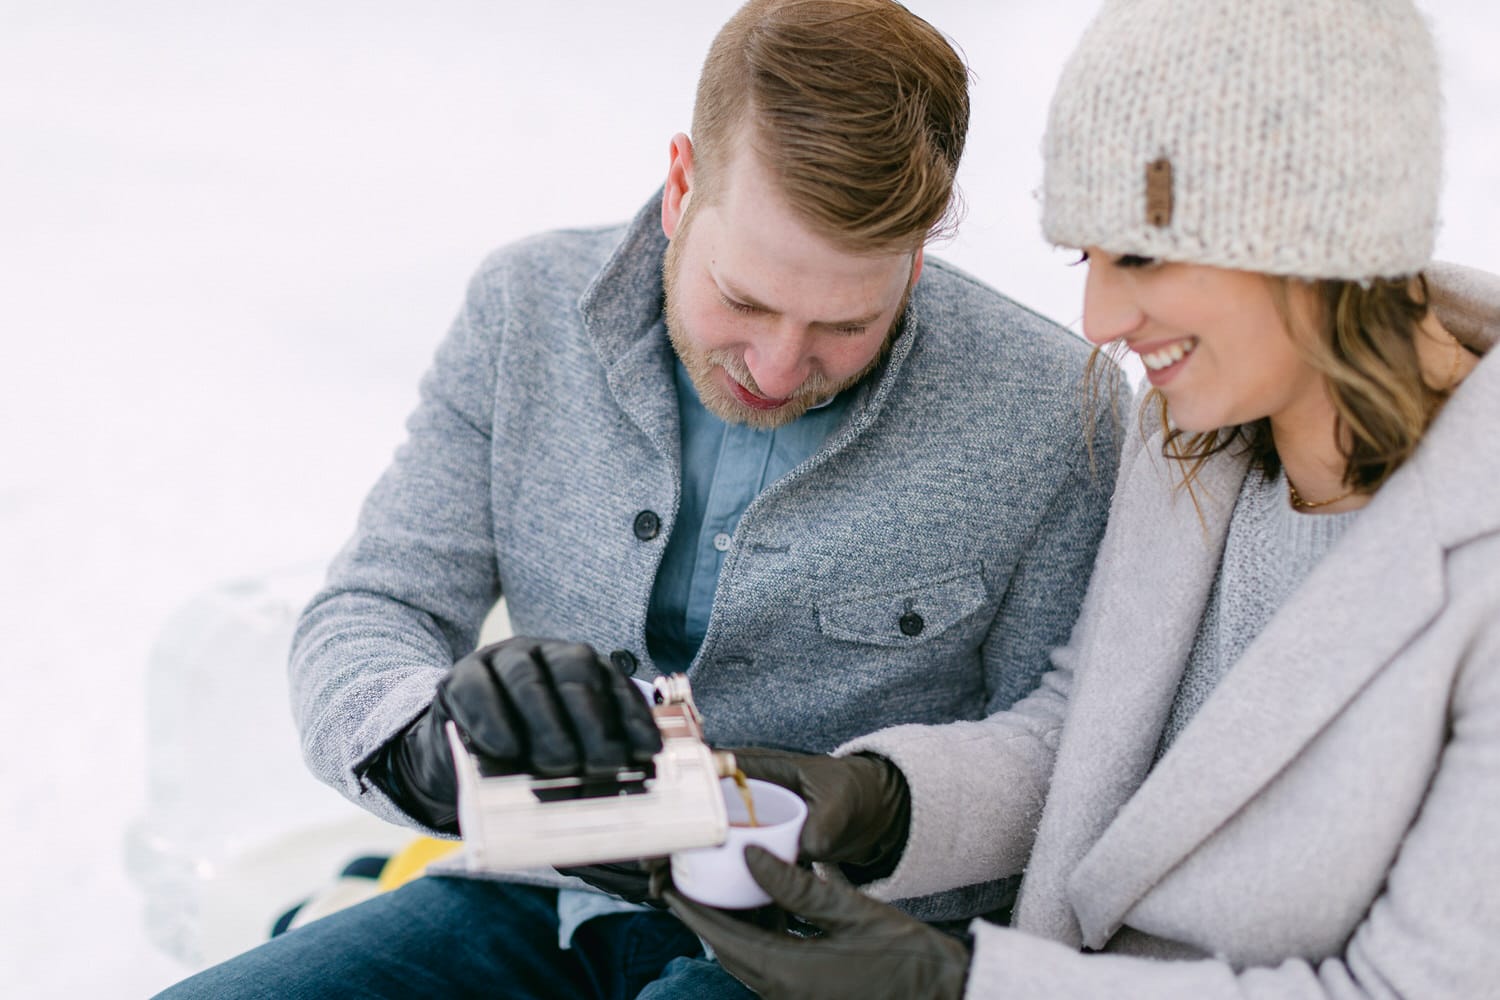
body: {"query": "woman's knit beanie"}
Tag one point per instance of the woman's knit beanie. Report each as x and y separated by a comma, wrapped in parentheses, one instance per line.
(1292, 137)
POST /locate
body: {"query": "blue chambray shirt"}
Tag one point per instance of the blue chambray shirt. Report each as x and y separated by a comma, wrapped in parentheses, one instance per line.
(724, 468)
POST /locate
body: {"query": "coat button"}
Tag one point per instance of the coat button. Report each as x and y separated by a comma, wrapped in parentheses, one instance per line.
(647, 525)
(624, 661)
(911, 623)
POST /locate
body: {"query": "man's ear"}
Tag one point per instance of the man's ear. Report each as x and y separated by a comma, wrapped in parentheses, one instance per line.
(916, 265)
(674, 200)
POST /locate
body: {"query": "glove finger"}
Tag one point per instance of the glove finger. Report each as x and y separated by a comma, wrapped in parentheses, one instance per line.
(583, 685)
(776, 766)
(477, 704)
(660, 872)
(833, 906)
(642, 737)
(825, 783)
(843, 796)
(524, 674)
(626, 879)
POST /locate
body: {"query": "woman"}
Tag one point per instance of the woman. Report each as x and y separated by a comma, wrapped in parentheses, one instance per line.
(1268, 762)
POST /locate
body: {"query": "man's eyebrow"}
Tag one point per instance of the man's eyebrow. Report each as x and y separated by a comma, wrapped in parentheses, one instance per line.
(728, 288)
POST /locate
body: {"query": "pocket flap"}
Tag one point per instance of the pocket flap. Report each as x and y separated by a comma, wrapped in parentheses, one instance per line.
(907, 614)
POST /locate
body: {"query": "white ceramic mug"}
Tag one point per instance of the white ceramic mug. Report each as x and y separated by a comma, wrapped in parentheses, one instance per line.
(717, 876)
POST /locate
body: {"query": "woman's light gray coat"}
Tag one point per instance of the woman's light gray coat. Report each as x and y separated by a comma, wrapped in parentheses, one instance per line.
(1327, 825)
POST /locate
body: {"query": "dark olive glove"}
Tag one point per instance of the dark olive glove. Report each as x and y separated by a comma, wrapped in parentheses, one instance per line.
(522, 706)
(858, 807)
(868, 950)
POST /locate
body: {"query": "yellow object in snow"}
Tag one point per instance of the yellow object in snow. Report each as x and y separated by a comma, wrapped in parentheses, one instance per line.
(412, 861)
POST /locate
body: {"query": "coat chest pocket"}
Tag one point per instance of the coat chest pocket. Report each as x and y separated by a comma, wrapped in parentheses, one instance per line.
(908, 614)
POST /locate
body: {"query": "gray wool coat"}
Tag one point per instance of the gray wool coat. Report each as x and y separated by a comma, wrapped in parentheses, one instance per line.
(957, 487)
(1327, 825)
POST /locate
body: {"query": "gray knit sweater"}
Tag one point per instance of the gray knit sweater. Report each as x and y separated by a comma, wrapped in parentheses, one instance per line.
(1269, 551)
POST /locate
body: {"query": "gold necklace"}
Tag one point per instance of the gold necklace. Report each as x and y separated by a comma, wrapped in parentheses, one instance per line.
(1300, 504)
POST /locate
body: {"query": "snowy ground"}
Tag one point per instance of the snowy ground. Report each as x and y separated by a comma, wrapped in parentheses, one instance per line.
(230, 237)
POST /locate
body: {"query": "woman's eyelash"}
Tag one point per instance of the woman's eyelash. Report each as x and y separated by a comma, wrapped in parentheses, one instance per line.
(1124, 260)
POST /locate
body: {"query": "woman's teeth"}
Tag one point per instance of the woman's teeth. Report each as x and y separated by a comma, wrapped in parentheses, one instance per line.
(1169, 355)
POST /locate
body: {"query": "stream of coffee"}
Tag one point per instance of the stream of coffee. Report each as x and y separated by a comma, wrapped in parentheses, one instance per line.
(744, 786)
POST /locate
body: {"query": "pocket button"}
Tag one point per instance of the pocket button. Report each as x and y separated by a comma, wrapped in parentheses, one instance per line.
(911, 623)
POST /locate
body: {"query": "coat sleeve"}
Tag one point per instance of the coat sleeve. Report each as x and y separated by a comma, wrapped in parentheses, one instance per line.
(1430, 933)
(977, 790)
(406, 596)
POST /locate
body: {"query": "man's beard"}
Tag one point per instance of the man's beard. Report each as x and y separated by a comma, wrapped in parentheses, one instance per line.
(717, 398)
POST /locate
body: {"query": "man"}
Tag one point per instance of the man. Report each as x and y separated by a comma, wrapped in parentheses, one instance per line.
(754, 435)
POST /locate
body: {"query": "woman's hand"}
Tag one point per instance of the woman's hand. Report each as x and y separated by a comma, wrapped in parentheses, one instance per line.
(868, 950)
(858, 807)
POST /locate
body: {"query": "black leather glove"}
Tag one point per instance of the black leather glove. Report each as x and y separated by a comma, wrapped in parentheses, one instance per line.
(629, 880)
(858, 807)
(868, 950)
(532, 706)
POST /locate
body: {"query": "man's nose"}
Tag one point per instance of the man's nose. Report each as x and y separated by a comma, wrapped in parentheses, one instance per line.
(779, 362)
(1110, 309)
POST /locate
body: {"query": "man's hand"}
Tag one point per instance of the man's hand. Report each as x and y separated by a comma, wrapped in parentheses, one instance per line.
(629, 880)
(532, 706)
(868, 950)
(858, 807)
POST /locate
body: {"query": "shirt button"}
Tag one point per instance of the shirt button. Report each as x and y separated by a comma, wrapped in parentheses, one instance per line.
(722, 542)
(624, 661)
(911, 623)
(647, 525)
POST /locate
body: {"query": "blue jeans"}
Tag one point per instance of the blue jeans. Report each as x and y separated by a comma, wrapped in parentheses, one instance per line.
(461, 937)
(695, 979)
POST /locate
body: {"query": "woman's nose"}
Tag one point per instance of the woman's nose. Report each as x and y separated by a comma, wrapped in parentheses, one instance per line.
(1110, 309)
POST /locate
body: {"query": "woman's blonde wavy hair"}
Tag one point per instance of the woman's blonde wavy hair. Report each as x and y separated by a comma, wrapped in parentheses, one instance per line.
(1362, 337)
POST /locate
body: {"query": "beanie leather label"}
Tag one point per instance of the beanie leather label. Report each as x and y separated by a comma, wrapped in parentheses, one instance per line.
(1159, 192)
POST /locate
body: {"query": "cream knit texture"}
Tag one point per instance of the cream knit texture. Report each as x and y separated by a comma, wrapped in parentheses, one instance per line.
(1304, 136)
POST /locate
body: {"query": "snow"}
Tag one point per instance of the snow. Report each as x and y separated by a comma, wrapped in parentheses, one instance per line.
(230, 238)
